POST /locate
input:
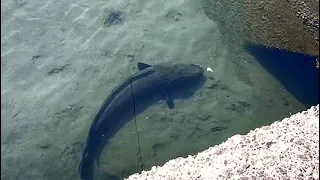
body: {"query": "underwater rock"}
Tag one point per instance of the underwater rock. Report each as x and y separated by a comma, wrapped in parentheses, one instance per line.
(239, 106)
(113, 18)
(58, 69)
(44, 145)
(218, 128)
(173, 15)
(203, 116)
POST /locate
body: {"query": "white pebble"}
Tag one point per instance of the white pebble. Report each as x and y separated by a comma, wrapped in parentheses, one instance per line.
(209, 69)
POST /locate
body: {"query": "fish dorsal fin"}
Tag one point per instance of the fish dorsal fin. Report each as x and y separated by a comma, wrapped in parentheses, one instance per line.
(142, 66)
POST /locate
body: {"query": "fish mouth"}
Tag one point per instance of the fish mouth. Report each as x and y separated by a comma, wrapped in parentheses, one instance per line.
(201, 70)
(196, 69)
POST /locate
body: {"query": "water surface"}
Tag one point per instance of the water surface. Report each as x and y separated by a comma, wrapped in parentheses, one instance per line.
(60, 60)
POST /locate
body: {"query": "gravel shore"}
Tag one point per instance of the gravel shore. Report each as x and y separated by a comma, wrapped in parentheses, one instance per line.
(287, 149)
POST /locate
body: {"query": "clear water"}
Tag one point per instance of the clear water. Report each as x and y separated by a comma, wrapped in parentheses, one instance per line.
(60, 60)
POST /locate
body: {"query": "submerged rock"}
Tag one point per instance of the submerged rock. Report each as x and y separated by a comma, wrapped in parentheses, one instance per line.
(113, 18)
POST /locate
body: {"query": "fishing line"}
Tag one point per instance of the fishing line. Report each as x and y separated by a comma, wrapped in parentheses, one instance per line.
(135, 122)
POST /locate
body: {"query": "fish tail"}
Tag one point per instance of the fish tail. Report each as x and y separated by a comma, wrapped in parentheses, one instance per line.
(86, 167)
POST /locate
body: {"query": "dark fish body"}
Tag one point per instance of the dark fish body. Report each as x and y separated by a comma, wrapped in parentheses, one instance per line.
(138, 92)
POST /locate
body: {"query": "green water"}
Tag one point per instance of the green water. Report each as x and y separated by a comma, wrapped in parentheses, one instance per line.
(60, 60)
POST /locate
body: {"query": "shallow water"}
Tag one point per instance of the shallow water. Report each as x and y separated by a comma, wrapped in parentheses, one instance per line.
(60, 60)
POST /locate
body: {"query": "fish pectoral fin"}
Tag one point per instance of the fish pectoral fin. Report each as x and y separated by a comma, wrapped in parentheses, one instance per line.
(169, 100)
(142, 66)
(170, 103)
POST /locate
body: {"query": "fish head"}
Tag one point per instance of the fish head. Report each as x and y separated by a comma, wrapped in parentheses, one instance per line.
(184, 79)
(185, 73)
(189, 70)
(182, 75)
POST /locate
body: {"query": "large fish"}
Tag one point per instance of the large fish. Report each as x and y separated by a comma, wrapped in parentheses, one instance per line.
(149, 85)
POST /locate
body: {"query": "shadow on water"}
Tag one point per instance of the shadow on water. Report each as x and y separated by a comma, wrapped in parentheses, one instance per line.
(297, 72)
